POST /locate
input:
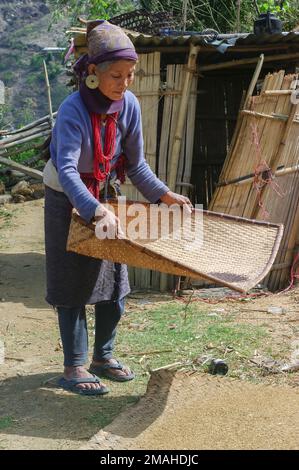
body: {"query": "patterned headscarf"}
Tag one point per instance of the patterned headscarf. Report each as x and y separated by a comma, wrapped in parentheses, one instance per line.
(106, 42)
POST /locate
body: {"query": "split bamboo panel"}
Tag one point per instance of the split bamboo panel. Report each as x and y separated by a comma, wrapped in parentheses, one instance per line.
(186, 154)
(174, 82)
(175, 75)
(277, 143)
(146, 87)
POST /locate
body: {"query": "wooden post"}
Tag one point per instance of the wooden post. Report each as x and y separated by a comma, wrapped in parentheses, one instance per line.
(49, 95)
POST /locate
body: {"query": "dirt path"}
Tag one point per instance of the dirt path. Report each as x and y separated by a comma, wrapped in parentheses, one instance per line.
(34, 414)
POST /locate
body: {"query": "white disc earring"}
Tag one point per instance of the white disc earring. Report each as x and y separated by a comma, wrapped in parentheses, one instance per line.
(92, 82)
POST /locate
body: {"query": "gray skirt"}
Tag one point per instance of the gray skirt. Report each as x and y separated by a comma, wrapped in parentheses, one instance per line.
(74, 280)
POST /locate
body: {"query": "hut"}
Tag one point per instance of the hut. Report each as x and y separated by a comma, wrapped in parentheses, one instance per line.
(193, 89)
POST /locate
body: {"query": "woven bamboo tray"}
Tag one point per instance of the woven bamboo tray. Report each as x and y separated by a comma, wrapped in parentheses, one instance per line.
(236, 252)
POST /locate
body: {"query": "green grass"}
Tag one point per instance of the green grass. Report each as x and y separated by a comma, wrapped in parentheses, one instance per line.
(187, 335)
(169, 333)
(5, 216)
(150, 339)
(6, 422)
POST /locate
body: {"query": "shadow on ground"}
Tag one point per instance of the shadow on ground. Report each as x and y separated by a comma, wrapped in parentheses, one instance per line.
(23, 279)
(43, 410)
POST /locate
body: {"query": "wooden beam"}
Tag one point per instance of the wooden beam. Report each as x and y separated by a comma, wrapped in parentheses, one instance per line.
(237, 63)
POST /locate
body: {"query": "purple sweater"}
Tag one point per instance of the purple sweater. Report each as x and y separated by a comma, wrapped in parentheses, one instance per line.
(72, 152)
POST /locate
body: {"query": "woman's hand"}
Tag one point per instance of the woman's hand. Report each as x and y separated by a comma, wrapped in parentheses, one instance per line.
(107, 224)
(170, 198)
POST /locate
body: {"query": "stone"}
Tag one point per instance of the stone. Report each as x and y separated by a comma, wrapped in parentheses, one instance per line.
(38, 190)
(22, 189)
(5, 199)
(19, 198)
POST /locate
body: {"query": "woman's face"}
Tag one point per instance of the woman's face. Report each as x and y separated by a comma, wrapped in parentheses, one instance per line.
(115, 80)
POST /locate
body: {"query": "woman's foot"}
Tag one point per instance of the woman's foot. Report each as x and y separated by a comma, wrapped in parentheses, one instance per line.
(79, 372)
(116, 371)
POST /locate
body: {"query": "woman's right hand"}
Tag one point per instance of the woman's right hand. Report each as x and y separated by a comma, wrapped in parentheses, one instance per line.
(107, 224)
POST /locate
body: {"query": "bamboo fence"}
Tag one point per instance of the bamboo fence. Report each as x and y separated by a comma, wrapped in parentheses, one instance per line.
(40, 128)
(263, 138)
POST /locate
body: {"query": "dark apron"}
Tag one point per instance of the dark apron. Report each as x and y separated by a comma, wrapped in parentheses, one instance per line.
(74, 280)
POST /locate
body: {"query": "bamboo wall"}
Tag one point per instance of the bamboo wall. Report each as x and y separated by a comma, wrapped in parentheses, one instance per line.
(158, 141)
(269, 132)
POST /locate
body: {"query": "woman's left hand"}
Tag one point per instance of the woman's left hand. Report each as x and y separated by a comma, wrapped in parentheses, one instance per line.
(170, 198)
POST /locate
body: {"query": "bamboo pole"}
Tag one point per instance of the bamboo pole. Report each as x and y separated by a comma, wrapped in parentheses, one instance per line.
(23, 169)
(48, 94)
(191, 68)
(27, 139)
(22, 135)
(237, 63)
(178, 135)
(13, 152)
(273, 163)
(249, 178)
(277, 92)
(32, 124)
(254, 79)
(240, 126)
(267, 116)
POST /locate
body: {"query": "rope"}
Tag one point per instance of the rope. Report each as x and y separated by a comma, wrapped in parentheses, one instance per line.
(293, 275)
(263, 174)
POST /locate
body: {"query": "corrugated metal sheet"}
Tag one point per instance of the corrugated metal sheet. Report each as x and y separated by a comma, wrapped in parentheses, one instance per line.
(141, 40)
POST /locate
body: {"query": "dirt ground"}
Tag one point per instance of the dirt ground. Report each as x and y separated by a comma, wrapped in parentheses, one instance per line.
(34, 414)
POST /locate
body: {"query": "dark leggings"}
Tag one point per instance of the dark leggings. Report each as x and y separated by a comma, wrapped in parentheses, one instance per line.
(74, 334)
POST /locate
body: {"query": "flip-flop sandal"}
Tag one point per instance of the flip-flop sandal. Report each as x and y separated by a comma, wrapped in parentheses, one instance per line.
(103, 371)
(71, 385)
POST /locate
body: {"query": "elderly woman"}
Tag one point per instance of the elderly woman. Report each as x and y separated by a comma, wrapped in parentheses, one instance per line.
(95, 128)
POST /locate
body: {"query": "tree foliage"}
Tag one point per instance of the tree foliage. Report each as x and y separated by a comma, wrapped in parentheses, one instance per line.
(89, 9)
(222, 15)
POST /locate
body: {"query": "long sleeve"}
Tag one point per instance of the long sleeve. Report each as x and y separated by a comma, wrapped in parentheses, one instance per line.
(69, 136)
